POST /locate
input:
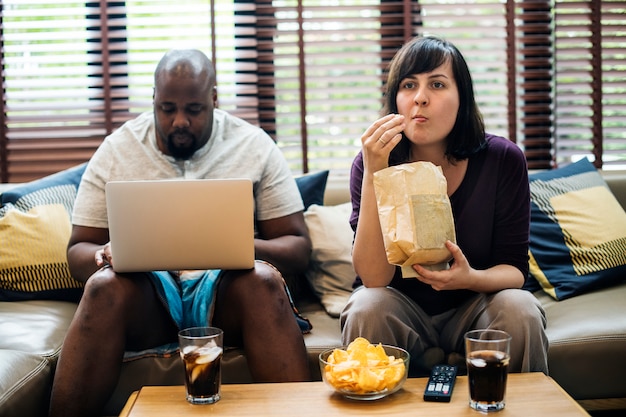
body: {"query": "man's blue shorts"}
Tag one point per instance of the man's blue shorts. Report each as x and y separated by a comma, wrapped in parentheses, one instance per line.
(190, 298)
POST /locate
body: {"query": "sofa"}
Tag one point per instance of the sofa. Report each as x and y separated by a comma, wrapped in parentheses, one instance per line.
(586, 330)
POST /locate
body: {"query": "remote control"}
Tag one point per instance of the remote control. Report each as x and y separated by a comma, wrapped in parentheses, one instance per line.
(440, 383)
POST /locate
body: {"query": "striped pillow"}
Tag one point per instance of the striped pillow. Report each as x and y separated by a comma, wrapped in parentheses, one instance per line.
(35, 226)
(577, 231)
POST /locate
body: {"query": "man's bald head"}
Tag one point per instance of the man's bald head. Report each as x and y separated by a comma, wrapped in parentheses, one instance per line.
(185, 63)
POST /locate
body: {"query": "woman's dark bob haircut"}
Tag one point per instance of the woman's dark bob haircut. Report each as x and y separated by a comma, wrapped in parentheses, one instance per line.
(425, 54)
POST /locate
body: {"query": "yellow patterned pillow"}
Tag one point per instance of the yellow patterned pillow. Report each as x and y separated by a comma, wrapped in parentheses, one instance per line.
(35, 228)
(33, 251)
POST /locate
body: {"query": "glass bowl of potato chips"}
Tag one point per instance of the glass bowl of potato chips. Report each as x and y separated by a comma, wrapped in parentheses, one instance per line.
(363, 371)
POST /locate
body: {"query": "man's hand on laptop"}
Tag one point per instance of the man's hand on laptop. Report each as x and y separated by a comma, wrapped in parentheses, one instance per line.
(103, 256)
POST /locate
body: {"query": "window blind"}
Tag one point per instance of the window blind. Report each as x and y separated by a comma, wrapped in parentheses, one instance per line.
(534, 69)
(53, 97)
(321, 70)
(74, 71)
(549, 74)
(590, 81)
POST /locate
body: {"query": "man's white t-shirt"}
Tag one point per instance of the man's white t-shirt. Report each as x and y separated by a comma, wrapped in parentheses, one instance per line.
(236, 149)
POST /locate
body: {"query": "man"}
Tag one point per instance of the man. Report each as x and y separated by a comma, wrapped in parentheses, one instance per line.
(184, 137)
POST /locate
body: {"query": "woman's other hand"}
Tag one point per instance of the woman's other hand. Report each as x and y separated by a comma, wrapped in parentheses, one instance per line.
(462, 276)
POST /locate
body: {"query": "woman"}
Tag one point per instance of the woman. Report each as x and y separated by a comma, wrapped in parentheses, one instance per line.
(431, 115)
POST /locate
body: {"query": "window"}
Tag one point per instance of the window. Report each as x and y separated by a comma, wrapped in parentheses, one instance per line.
(323, 68)
(549, 74)
(590, 79)
(74, 71)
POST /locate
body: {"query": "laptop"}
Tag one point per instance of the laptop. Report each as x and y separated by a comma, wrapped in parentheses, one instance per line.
(168, 225)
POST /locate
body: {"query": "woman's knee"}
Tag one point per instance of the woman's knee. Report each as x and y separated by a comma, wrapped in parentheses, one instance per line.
(369, 305)
(521, 306)
(365, 299)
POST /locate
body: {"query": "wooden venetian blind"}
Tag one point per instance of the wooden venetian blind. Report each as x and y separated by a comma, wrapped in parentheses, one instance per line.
(590, 81)
(321, 66)
(53, 99)
(74, 71)
(549, 74)
(533, 66)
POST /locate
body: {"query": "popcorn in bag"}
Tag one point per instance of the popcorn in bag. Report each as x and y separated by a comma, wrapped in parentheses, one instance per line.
(415, 216)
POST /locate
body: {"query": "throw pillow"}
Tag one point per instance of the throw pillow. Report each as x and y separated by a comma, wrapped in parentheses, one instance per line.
(330, 271)
(577, 231)
(35, 226)
(312, 187)
(59, 187)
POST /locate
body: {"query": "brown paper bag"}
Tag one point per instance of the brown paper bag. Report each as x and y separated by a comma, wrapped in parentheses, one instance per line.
(415, 215)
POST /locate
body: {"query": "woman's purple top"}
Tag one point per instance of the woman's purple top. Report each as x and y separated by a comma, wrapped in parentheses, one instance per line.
(491, 210)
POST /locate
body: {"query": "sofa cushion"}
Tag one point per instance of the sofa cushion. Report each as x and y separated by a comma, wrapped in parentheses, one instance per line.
(35, 226)
(31, 335)
(25, 381)
(577, 231)
(588, 338)
(330, 270)
(35, 326)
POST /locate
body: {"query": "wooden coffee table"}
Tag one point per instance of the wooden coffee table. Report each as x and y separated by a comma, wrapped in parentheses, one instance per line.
(530, 394)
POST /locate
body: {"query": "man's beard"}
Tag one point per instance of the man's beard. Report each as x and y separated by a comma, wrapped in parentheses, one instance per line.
(181, 144)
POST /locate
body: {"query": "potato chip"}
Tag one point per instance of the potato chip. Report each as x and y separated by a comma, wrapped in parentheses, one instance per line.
(363, 368)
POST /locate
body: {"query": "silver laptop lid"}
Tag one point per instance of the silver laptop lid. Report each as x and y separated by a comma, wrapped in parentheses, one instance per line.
(181, 224)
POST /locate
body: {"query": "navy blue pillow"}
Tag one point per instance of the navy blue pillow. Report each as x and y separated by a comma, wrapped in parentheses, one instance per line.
(312, 187)
(577, 231)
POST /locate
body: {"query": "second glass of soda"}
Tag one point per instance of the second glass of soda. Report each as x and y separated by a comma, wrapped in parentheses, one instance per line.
(487, 354)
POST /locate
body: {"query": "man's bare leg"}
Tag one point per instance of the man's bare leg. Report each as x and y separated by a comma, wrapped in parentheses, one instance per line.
(115, 314)
(254, 311)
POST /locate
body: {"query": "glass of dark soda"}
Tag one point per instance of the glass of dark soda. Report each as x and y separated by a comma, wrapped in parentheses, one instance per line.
(487, 354)
(201, 350)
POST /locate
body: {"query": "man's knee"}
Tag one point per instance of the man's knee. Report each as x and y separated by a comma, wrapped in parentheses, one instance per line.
(102, 283)
(267, 271)
(106, 286)
(262, 281)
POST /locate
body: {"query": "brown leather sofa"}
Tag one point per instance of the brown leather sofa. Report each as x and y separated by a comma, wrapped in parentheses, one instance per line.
(587, 333)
